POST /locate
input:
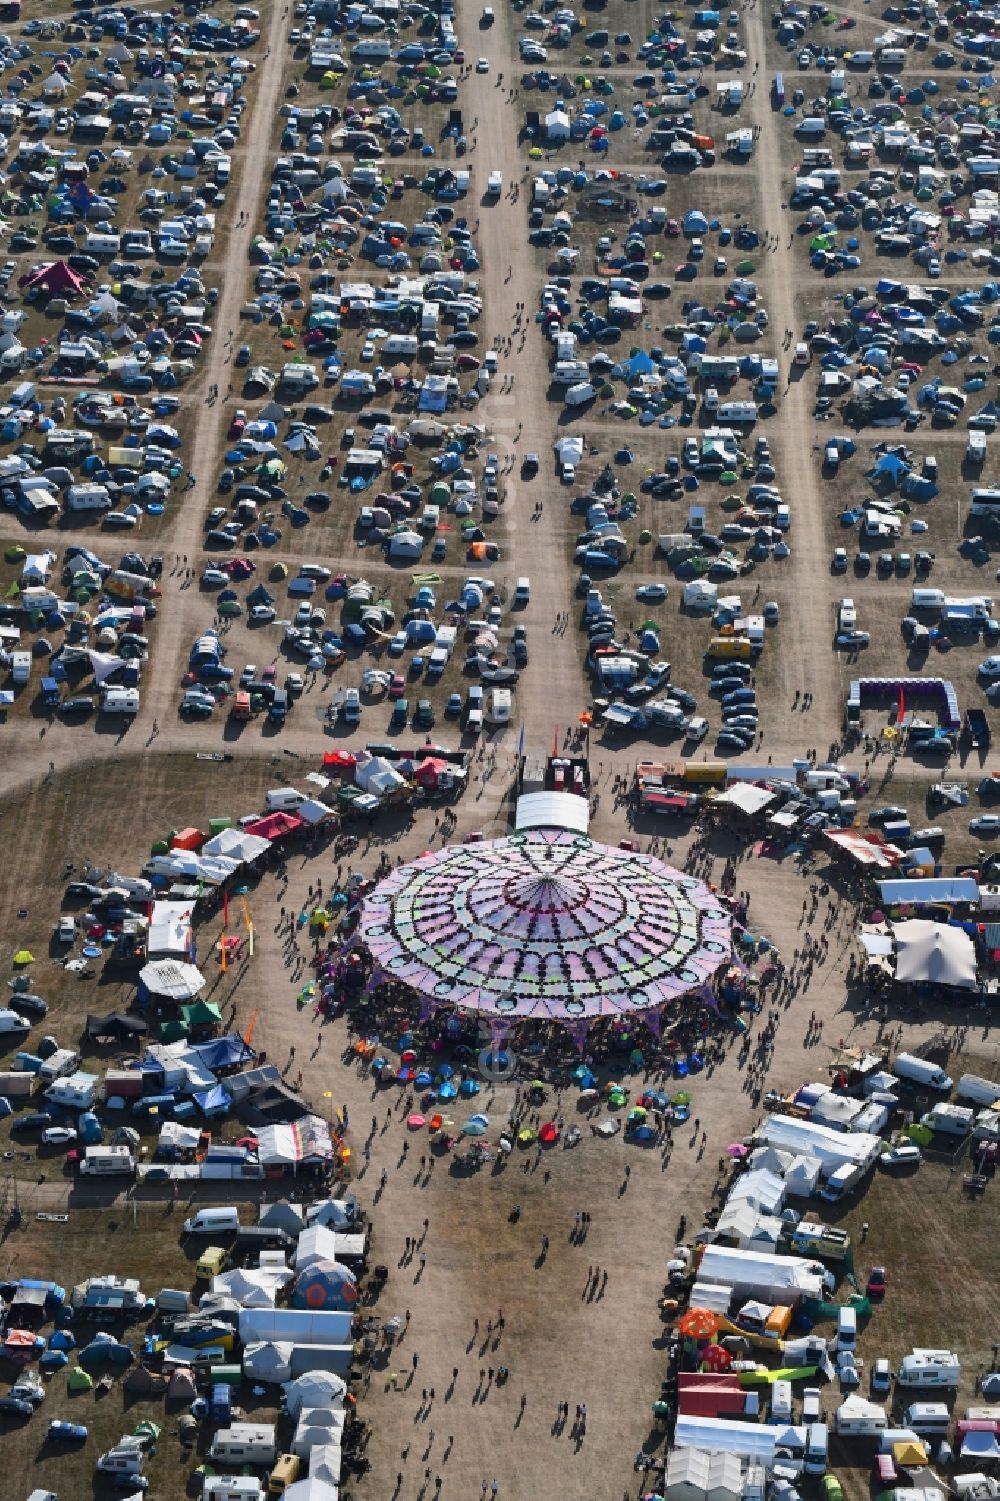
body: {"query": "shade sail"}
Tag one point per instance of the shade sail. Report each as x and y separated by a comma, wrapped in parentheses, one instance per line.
(934, 952)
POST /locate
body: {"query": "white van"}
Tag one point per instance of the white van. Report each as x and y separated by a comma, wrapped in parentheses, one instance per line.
(282, 799)
(928, 599)
(781, 1402)
(376, 50)
(223, 1220)
(847, 1329)
(919, 1071)
(979, 1091)
(810, 1404)
(817, 1447)
(120, 701)
(522, 593)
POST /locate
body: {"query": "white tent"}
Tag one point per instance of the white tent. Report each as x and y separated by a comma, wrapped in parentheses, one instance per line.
(236, 844)
(311, 1489)
(749, 1440)
(315, 1244)
(169, 929)
(268, 1362)
(166, 977)
(696, 1475)
(764, 1190)
(934, 952)
(324, 1463)
(557, 125)
(253, 1289)
(756, 1273)
(808, 1139)
(315, 1389)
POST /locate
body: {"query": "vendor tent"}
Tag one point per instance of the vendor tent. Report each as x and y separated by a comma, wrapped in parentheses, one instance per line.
(696, 1475)
(935, 953)
(315, 1389)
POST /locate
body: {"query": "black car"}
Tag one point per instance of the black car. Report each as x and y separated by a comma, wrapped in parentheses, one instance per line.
(79, 704)
(37, 1120)
(29, 1005)
(16, 1407)
(84, 891)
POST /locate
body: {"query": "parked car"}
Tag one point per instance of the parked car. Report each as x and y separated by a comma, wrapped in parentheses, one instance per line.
(58, 1136)
(987, 825)
(15, 1407)
(877, 1284)
(76, 1433)
(903, 1154)
(881, 1376)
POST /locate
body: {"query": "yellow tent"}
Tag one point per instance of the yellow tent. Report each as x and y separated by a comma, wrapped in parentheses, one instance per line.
(24, 956)
(909, 1455)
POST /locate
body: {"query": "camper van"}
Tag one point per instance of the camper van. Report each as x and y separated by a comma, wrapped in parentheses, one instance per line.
(918, 1071)
(284, 1474)
(781, 1402)
(108, 1162)
(245, 1444)
(120, 701)
(498, 710)
(930, 1369)
(224, 1220)
(817, 1446)
(232, 1488)
(949, 1120)
(928, 1418)
(829, 1241)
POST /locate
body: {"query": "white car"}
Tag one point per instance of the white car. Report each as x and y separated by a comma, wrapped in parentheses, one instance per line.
(652, 594)
(58, 1136)
(986, 824)
(697, 729)
(990, 668)
(847, 615)
(66, 930)
(215, 578)
(903, 1154)
(262, 614)
(482, 65)
(881, 1376)
(295, 683)
(568, 474)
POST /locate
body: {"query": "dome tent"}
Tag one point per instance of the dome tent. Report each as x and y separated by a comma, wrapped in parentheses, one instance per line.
(314, 1389)
(325, 1286)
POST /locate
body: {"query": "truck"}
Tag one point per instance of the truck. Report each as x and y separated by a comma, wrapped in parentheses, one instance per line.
(977, 729)
(812, 1239)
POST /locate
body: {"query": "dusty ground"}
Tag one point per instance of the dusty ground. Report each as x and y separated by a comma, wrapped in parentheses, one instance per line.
(559, 1344)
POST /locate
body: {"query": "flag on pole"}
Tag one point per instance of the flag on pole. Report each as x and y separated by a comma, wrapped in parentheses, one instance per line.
(520, 740)
(555, 740)
(902, 704)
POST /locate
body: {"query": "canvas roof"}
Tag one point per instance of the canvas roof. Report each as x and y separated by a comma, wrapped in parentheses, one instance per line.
(696, 1475)
(935, 952)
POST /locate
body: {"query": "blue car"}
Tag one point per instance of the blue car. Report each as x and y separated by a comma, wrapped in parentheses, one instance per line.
(453, 707)
(67, 1433)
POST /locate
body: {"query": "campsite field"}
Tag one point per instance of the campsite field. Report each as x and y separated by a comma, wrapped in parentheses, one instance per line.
(477, 1261)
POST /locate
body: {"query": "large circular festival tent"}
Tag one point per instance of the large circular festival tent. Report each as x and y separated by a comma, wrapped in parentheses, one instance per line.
(547, 925)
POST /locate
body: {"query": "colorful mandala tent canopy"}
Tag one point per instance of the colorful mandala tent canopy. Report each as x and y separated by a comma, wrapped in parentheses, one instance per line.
(546, 925)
